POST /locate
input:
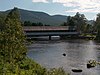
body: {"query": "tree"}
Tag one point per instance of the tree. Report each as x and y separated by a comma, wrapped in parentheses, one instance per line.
(97, 24)
(88, 29)
(77, 22)
(70, 23)
(27, 23)
(12, 47)
(80, 21)
(34, 24)
(39, 24)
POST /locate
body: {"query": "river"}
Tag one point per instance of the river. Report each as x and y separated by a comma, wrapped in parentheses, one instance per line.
(50, 55)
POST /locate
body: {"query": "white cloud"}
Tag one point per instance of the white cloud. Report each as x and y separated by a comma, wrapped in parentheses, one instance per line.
(43, 1)
(83, 10)
(81, 5)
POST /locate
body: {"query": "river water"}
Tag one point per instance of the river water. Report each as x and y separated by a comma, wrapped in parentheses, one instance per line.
(78, 52)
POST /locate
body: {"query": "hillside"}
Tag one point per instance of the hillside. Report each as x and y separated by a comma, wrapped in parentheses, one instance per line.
(91, 22)
(35, 16)
(42, 17)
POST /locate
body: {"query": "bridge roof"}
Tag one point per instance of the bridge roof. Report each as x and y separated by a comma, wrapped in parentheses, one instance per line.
(44, 28)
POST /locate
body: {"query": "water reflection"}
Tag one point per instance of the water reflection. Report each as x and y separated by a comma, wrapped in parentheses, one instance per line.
(78, 52)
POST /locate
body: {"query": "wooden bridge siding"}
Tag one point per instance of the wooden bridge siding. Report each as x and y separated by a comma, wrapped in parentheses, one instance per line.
(44, 28)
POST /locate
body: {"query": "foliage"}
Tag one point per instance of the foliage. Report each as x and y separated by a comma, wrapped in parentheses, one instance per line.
(97, 25)
(80, 22)
(55, 71)
(28, 67)
(12, 48)
(24, 67)
(70, 21)
(28, 23)
(12, 42)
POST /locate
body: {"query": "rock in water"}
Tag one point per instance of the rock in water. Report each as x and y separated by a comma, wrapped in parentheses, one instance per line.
(64, 54)
(91, 63)
(77, 70)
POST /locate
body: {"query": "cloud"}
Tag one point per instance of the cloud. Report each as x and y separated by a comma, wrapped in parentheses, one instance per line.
(84, 10)
(81, 5)
(43, 1)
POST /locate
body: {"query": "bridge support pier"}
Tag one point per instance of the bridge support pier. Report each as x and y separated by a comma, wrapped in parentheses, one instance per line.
(49, 37)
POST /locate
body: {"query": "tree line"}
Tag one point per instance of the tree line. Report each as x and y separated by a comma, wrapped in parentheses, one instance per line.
(80, 23)
(28, 23)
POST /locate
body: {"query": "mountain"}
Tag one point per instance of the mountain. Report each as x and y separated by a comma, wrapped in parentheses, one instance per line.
(91, 22)
(35, 16)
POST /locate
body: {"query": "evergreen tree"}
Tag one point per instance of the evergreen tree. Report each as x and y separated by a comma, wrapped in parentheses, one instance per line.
(12, 39)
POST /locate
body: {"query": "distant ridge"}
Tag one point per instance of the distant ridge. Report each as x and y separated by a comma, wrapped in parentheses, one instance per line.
(35, 16)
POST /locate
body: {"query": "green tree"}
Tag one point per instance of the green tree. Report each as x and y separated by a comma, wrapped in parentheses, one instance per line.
(34, 24)
(70, 23)
(77, 22)
(80, 21)
(39, 24)
(97, 25)
(12, 39)
(27, 23)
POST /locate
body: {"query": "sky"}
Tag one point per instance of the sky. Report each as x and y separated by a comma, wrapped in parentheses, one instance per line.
(90, 8)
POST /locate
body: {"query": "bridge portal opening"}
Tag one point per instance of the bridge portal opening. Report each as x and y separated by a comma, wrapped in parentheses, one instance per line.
(54, 37)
